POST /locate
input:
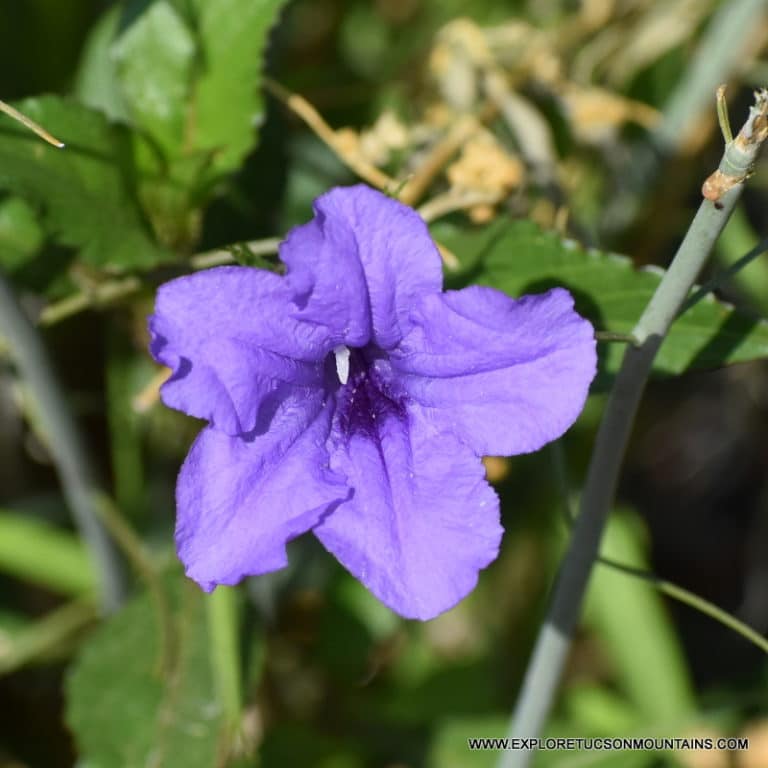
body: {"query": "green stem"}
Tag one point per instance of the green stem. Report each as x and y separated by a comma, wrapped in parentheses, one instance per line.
(692, 600)
(722, 277)
(224, 633)
(72, 462)
(46, 636)
(623, 338)
(133, 548)
(668, 588)
(545, 669)
(112, 291)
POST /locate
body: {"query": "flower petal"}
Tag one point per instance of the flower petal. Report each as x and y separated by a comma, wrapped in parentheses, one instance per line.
(505, 375)
(240, 501)
(422, 520)
(230, 338)
(362, 262)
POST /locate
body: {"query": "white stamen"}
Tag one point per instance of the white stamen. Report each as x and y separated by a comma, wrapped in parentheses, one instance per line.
(342, 363)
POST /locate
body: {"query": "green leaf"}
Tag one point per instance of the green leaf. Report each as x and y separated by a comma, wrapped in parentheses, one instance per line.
(96, 82)
(155, 56)
(517, 257)
(36, 551)
(138, 697)
(228, 104)
(630, 619)
(83, 189)
(20, 233)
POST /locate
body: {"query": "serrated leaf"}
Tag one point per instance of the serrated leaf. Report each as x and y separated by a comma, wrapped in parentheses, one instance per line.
(83, 189)
(128, 708)
(155, 56)
(517, 257)
(228, 103)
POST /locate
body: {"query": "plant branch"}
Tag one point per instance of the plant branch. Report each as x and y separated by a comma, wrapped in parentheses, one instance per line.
(46, 636)
(552, 646)
(72, 463)
(692, 600)
(221, 256)
(301, 107)
(721, 278)
(222, 610)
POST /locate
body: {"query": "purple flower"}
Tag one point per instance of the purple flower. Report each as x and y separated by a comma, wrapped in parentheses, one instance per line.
(353, 398)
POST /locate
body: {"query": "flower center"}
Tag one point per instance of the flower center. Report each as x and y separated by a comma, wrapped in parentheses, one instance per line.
(365, 397)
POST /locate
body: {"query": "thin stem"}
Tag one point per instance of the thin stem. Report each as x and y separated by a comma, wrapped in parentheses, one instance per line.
(134, 550)
(47, 635)
(75, 472)
(221, 256)
(416, 186)
(101, 294)
(114, 290)
(722, 277)
(301, 107)
(31, 124)
(623, 338)
(448, 202)
(224, 636)
(545, 669)
(692, 600)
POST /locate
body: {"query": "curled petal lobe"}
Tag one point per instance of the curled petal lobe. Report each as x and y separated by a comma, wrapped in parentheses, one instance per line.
(365, 257)
(506, 376)
(326, 274)
(240, 501)
(231, 342)
(421, 522)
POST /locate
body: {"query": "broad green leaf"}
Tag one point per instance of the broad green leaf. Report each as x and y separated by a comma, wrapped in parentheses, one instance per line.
(517, 257)
(131, 705)
(228, 104)
(84, 189)
(20, 233)
(36, 551)
(155, 57)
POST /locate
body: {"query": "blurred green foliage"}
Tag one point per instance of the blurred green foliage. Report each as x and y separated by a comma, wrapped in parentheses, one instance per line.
(172, 152)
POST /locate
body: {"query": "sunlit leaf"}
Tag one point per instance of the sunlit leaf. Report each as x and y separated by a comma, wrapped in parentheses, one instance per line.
(84, 190)
(227, 101)
(155, 56)
(517, 257)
